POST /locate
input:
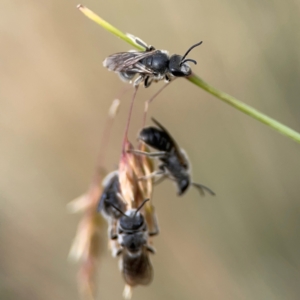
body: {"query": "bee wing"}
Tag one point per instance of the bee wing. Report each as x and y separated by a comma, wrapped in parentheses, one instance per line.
(128, 61)
(178, 152)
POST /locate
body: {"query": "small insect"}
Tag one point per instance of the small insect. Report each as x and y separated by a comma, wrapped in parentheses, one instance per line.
(150, 65)
(133, 237)
(110, 204)
(175, 163)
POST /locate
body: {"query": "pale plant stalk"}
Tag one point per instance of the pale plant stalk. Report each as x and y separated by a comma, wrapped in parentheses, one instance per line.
(247, 109)
(88, 236)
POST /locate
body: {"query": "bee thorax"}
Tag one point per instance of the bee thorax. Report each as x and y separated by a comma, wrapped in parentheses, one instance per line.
(157, 62)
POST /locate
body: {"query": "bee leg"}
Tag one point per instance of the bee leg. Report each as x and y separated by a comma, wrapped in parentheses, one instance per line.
(140, 42)
(112, 230)
(150, 249)
(116, 250)
(155, 230)
(154, 154)
(151, 175)
(167, 78)
(202, 187)
(149, 154)
(143, 44)
(137, 40)
(160, 180)
(138, 80)
(112, 235)
(151, 220)
(162, 167)
(114, 245)
(150, 48)
(148, 81)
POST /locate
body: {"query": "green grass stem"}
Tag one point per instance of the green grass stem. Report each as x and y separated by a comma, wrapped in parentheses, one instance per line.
(254, 113)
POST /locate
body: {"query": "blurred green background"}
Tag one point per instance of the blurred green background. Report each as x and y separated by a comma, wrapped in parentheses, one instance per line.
(242, 244)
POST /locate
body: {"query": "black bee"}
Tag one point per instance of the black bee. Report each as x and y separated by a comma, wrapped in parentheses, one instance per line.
(132, 235)
(150, 65)
(175, 163)
(110, 204)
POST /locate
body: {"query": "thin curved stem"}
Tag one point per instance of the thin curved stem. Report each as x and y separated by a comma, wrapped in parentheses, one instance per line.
(147, 103)
(125, 140)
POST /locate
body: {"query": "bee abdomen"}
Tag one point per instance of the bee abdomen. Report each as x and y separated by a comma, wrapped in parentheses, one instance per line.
(137, 270)
(126, 76)
(156, 138)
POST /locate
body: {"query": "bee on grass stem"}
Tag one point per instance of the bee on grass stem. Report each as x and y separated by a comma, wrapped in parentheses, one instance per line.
(174, 161)
(150, 65)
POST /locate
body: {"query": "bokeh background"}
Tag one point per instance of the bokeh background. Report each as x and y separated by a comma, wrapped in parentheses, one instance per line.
(242, 244)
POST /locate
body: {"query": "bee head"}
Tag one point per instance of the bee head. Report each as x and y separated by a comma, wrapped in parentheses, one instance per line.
(178, 66)
(183, 185)
(132, 220)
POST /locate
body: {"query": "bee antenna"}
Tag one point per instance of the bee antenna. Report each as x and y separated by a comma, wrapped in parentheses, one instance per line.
(118, 209)
(191, 60)
(190, 49)
(143, 203)
(202, 187)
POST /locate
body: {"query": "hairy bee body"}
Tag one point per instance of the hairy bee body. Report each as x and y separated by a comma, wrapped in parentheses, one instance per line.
(174, 160)
(150, 65)
(133, 236)
(136, 269)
